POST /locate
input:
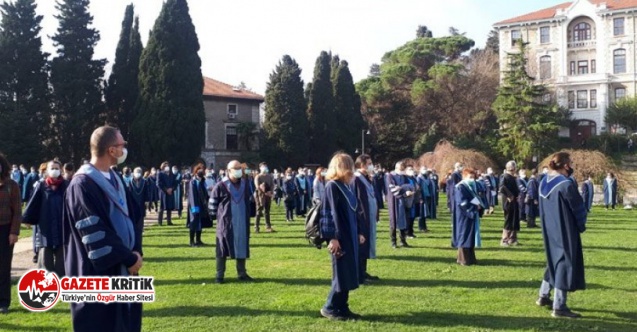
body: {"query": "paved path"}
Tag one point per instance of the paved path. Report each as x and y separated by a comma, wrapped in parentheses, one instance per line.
(23, 251)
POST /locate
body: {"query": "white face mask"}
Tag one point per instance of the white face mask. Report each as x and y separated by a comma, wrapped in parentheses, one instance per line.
(166, 169)
(522, 175)
(175, 171)
(423, 171)
(137, 175)
(237, 173)
(53, 173)
(323, 174)
(289, 177)
(410, 172)
(264, 170)
(370, 169)
(122, 158)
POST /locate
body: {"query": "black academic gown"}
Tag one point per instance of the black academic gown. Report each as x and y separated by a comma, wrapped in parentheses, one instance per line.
(83, 200)
(166, 181)
(563, 217)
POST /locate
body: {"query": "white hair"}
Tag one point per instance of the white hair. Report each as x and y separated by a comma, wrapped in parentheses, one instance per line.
(511, 166)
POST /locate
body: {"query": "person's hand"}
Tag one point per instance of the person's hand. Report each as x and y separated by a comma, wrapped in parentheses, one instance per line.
(361, 239)
(137, 266)
(510, 199)
(536, 202)
(12, 239)
(169, 191)
(408, 193)
(421, 201)
(334, 246)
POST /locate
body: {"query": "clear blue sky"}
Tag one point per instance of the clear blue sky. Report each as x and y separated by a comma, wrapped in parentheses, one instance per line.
(242, 40)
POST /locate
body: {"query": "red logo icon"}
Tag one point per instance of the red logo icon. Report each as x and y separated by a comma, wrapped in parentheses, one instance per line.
(39, 290)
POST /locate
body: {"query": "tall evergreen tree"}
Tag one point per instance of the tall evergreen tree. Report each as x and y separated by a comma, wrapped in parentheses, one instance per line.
(76, 79)
(24, 105)
(525, 120)
(285, 123)
(493, 41)
(349, 121)
(122, 90)
(321, 112)
(170, 119)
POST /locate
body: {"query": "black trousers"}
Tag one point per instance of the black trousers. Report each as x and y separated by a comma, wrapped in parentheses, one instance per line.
(511, 215)
(6, 255)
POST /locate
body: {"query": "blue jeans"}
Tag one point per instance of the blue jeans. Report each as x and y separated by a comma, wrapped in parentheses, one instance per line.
(559, 301)
(337, 302)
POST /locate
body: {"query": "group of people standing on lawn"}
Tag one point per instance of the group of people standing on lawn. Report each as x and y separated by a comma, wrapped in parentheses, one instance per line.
(106, 211)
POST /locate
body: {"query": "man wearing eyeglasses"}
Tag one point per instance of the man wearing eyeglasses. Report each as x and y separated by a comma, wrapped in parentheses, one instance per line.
(100, 237)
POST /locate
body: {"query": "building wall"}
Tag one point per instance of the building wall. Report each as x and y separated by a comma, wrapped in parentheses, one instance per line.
(217, 121)
(562, 52)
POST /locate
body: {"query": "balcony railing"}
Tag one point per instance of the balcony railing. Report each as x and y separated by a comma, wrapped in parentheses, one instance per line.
(582, 44)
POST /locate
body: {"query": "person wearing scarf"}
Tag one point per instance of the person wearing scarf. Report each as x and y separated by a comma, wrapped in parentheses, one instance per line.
(44, 210)
(466, 222)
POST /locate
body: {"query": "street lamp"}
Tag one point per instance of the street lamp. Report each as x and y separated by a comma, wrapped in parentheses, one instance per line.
(363, 133)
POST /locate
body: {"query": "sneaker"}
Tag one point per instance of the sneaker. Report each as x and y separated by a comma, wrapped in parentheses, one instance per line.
(514, 243)
(504, 243)
(566, 313)
(331, 315)
(393, 245)
(200, 244)
(544, 301)
(405, 244)
(351, 315)
(269, 230)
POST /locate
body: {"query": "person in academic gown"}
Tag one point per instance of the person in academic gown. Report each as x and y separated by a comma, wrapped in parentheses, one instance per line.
(610, 191)
(532, 200)
(588, 192)
(379, 186)
(27, 187)
(412, 201)
(138, 187)
(435, 185)
(510, 192)
(426, 197)
(44, 210)
(199, 216)
(339, 224)
(289, 195)
(302, 197)
(492, 190)
(522, 184)
(231, 207)
(563, 217)
(17, 176)
(397, 192)
(178, 194)
(127, 176)
(466, 222)
(368, 213)
(167, 186)
(100, 237)
(153, 190)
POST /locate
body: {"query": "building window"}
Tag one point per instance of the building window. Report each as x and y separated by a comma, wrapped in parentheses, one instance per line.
(572, 68)
(545, 35)
(582, 99)
(593, 97)
(619, 61)
(582, 31)
(232, 140)
(582, 67)
(620, 93)
(571, 99)
(515, 36)
(233, 111)
(618, 26)
(593, 66)
(545, 67)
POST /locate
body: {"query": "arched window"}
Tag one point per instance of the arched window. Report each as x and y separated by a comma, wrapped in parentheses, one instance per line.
(545, 67)
(619, 61)
(582, 31)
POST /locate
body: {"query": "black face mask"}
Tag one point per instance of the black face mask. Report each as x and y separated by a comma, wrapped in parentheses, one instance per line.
(570, 171)
(200, 174)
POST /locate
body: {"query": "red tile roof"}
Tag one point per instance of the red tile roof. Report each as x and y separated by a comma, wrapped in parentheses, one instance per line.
(548, 13)
(214, 88)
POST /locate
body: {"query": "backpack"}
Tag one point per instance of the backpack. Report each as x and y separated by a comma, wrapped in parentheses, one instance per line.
(313, 226)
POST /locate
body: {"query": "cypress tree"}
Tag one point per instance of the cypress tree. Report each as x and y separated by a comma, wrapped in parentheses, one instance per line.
(321, 112)
(122, 89)
(170, 119)
(285, 125)
(76, 79)
(24, 105)
(349, 121)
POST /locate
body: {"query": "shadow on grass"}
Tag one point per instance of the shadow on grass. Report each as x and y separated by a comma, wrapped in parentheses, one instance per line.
(12, 327)
(451, 260)
(179, 258)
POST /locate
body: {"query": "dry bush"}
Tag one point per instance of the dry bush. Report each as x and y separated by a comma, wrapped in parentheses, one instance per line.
(591, 162)
(445, 155)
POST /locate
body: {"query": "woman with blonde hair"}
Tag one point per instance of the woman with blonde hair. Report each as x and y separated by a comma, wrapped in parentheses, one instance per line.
(339, 226)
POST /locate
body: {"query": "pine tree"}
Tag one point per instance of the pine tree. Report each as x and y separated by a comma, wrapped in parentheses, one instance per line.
(76, 79)
(24, 105)
(349, 121)
(285, 123)
(170, 119)
(526, 122)
(321, 112)
(122, 90)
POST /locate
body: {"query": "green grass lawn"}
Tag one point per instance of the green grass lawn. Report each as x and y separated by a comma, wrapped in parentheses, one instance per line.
(421, 288)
